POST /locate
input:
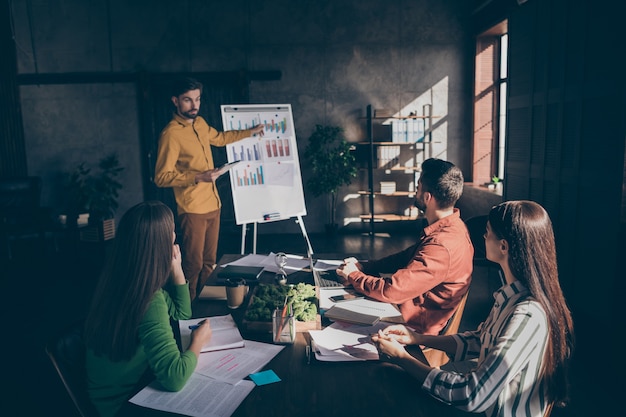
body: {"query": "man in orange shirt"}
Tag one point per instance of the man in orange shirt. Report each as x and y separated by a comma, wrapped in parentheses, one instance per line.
(185, 163)
(430, 278)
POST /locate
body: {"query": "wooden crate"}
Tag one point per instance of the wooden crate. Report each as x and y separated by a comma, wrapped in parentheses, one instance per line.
(98, 233)
(266, 326)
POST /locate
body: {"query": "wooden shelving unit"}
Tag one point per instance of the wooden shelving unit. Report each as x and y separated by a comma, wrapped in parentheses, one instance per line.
(421, 149)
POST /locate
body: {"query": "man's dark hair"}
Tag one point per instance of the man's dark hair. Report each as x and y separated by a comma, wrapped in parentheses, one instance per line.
(443, 180)
(184, 84)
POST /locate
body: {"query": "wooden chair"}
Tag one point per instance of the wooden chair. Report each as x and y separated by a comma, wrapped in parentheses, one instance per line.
(66, 351)
(438, 357)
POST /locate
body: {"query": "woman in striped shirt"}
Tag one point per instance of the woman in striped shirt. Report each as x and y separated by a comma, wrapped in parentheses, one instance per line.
(523, 347)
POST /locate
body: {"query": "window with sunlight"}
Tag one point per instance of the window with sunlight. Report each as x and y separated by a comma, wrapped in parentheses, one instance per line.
(490, 90)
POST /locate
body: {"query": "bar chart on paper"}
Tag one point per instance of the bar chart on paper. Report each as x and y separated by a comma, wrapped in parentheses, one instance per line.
(268, 186)
(248, 151)
(274, 123)
(248, 176)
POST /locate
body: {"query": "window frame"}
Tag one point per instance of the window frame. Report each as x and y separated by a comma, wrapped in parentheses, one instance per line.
(490, 104)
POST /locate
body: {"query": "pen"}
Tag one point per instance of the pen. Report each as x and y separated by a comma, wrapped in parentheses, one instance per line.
(195, 326)
(308, 354)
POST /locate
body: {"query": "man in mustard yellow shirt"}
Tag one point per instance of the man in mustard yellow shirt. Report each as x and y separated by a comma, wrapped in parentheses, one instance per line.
(185, 163)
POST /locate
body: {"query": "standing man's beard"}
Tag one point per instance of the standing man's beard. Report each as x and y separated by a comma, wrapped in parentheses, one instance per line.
(188, 115)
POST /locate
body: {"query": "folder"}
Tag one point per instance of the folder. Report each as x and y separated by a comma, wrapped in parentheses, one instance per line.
(337, 313)
(249, 273)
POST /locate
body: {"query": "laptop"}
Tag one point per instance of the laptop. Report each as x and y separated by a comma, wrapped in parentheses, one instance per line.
(325, 278)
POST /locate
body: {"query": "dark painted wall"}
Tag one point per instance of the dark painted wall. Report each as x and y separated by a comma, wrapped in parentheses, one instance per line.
(566, 106)
(335, 57)
(566, 140)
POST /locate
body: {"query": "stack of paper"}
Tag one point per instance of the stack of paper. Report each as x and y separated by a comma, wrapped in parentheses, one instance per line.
(345, 342)
(363, 311)
(348, 315)
(387, 187)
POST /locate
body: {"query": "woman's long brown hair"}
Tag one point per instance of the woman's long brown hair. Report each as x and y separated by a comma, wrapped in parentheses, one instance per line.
(139, 265)
(527, 228)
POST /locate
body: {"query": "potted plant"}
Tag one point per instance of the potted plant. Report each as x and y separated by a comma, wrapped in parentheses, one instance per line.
(495, 184)
(76, 199)
(96, 192)
(103, 189)
(332, 165)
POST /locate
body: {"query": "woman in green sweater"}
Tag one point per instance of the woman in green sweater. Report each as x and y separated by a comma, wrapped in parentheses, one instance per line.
(128, 331)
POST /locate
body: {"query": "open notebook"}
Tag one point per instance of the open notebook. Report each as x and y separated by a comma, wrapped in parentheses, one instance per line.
(225, 334)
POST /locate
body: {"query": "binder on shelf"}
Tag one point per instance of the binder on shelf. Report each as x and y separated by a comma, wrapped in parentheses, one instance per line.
(387, 187)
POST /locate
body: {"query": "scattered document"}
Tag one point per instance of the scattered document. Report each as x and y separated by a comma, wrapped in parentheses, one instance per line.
(233, 365)
(295, 263)
(345, 342)
(201, 396)
(327, 264)
(225, 335)
(249, 260)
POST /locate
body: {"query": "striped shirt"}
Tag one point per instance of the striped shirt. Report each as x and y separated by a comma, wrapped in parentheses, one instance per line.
(509, 346)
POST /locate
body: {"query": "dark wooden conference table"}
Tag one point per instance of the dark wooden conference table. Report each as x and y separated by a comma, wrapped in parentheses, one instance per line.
(317, 388)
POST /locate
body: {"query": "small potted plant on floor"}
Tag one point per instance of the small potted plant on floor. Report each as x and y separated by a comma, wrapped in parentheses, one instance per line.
(96, 192)
(76, 199)
(332, 165)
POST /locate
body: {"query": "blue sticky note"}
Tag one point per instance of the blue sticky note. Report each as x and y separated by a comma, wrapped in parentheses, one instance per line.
(264, 377)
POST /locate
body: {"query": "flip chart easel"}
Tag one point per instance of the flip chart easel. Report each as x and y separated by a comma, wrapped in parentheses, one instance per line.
(267, 184)
(254, 237)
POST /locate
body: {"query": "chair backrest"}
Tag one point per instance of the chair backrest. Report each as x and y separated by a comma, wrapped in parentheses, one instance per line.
(438, 357)
(476, 227)
(66, 351)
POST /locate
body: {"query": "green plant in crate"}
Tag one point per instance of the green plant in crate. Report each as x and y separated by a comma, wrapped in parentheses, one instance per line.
(268, 297)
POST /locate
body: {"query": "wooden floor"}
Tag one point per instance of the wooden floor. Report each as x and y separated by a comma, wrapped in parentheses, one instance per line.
(45, 288)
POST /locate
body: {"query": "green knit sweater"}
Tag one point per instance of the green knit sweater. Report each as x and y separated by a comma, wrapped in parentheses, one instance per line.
(110, 384)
